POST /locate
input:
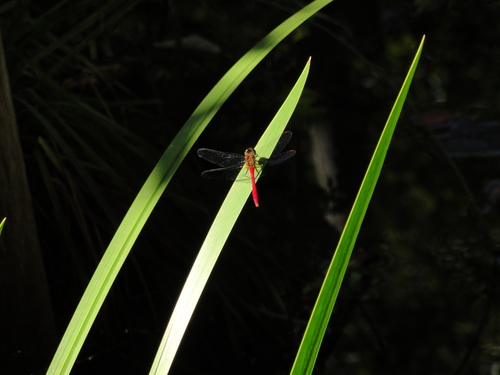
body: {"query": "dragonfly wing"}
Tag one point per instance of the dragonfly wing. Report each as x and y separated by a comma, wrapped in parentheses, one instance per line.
(222, 159)
(277, 159)
(284, 140)
(229, 173)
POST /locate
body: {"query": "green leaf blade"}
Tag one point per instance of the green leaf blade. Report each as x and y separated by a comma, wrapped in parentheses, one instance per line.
(313, 336)
(216, 238)
(154, 187)
(2, 223)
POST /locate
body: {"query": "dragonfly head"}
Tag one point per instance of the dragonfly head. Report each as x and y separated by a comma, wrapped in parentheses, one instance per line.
(250, 152)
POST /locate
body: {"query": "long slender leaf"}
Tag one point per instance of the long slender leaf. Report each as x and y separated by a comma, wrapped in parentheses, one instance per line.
(2, 224)
(217, 236)
(313, 336)
(156, 183)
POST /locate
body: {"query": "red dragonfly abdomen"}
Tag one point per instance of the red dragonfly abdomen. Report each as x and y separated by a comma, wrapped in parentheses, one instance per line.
(250, 164)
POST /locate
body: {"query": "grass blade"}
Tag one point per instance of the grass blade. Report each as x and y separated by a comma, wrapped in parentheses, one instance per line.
(313, 336)
(154, 186)
(2, 224)
(217, 236)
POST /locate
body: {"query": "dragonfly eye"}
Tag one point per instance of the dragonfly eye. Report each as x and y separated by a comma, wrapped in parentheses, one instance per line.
(250, 151)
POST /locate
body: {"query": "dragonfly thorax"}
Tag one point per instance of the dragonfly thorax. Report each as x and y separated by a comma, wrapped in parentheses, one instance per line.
(250, 157)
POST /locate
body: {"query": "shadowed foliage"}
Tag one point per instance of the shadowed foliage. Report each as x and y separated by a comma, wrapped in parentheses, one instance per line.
(99, 90)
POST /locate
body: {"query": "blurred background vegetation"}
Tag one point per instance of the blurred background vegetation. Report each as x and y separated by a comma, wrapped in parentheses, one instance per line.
(100, 89)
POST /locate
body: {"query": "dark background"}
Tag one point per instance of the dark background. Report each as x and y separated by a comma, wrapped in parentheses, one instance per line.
(116, 80)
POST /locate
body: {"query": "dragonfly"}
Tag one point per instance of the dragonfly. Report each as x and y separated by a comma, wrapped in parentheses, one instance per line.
(232, 163)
